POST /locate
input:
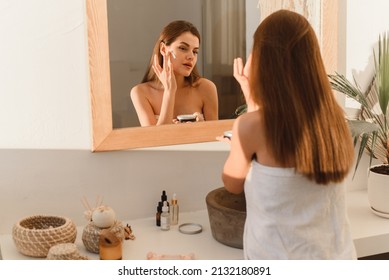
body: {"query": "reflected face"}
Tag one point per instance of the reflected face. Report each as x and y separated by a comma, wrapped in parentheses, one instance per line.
(185, 49)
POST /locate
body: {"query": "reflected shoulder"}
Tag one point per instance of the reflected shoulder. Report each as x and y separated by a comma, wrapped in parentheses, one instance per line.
(206, 85)
(206, 82)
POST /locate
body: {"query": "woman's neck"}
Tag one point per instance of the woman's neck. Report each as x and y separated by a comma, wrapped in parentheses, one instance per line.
(180, 81)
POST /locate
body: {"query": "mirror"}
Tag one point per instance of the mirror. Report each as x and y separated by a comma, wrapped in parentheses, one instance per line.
(106, 137)
(131, 37)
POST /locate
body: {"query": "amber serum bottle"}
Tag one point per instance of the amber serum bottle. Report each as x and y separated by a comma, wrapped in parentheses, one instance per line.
(158, 214)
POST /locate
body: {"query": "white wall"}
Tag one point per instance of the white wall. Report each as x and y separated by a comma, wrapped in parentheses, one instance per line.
(44, 76)
(45, 161)
(366, 20)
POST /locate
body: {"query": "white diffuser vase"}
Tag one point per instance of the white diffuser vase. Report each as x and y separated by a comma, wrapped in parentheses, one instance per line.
(378, 193)
(103, 216)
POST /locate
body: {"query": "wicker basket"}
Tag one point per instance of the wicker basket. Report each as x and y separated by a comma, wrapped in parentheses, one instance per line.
(91, 235)
(34, 235)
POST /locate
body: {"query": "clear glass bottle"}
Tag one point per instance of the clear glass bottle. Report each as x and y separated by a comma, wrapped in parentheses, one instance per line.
(165, 217)
(174, 210)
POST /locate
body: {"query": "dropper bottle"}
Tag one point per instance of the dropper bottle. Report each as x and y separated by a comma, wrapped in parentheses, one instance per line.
(158, 214)
(164, 198)
(174, 210)
(165, 217)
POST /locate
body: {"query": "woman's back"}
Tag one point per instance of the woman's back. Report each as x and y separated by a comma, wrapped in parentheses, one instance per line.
(291, 217)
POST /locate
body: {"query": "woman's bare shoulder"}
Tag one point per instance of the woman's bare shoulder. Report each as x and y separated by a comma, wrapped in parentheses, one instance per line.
(250, 125)
(142, 89)
(205, 83)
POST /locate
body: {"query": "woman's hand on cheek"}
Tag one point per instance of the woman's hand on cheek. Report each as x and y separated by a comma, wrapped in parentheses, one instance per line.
(165, 74)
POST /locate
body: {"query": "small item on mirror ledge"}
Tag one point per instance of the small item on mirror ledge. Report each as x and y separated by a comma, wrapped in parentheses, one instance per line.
(227, 134)
(186, 118)
(110, 247)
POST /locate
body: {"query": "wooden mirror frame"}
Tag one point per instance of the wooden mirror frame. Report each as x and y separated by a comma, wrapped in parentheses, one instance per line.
(105, 138)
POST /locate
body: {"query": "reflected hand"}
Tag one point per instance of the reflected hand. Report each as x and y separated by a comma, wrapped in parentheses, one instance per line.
(199, 117)
(241, 74)
(241, 77)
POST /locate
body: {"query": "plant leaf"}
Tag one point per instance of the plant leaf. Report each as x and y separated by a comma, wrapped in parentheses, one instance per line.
(382, 72)
(363, 130)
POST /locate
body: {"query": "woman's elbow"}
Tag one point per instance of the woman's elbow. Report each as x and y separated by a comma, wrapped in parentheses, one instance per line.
(233, 185)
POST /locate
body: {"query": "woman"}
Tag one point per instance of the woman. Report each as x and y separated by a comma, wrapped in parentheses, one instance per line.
(172, 85)
(292, 150)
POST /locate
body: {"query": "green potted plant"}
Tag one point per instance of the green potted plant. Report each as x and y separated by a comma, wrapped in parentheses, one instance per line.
(371, 126)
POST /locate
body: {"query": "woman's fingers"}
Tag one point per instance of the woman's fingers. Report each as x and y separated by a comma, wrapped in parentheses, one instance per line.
(156, 67)
(239, 61)
(165, 73)
(238, 67)
(241, 75)
(239, 71)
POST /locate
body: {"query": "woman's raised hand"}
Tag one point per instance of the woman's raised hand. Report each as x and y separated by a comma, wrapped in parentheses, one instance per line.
(241, 74)
(165, 74)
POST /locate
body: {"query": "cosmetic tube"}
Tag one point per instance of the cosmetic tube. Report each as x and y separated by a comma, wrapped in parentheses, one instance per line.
(174, 211)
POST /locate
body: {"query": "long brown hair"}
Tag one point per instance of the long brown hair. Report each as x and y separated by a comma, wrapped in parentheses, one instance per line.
(168, 35)
(303, 122)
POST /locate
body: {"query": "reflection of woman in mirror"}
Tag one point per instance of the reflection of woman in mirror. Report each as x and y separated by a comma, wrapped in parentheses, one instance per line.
(172, 85)
(292, 151)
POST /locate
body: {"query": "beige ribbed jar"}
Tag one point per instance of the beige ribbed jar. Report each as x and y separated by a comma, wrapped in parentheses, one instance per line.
(91, 235)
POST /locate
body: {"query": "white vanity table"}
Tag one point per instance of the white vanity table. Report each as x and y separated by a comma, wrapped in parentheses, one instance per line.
(150, 238)
(370, 234)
